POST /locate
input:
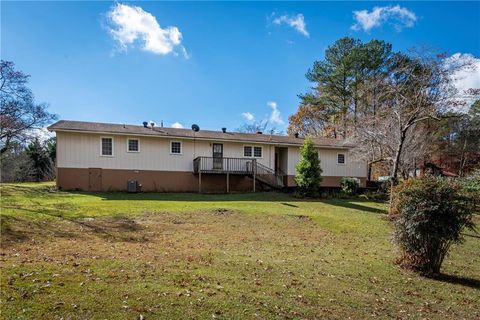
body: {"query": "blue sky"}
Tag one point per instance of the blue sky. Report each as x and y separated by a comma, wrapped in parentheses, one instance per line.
(231, 58)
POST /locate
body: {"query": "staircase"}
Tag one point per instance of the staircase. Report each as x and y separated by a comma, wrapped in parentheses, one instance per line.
(268, 176)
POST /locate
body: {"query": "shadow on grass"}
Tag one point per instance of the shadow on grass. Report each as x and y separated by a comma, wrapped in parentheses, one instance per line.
(117, 228)
(471, 235)
(289, 205)
(355, 204)
(270, 196)
(15, 229)
(195, 197)
(453, 279)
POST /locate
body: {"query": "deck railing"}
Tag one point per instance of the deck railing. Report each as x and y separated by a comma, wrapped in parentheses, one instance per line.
(223, 165)
(269, 176)
(239, 166)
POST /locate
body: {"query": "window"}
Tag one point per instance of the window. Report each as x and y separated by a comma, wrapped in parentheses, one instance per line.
(257, 152)
(175, 147)
(341, 158)
(107, 146)
(250, 151)
(133, 145)
(247, 151)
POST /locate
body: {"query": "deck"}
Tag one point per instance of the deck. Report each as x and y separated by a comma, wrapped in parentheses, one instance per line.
(223, 165)
(237, 166)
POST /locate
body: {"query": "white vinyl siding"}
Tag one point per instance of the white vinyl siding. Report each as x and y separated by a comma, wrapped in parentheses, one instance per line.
(328, 163)
(82, 150)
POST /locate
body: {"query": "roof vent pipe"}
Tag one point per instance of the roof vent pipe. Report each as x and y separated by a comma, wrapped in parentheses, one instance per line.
(152, 124)
(224, 130)
(145, 124)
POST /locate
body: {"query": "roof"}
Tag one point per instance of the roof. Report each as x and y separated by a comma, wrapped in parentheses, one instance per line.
(127, 129)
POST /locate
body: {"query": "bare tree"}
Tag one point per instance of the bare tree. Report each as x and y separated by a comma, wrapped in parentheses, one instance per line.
(19, 114)
(418, 89)
(258, 126)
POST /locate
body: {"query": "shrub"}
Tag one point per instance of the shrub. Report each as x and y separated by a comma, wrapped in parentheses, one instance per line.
(430, 214)
(349, 186)
(308, 172)
(472, 187)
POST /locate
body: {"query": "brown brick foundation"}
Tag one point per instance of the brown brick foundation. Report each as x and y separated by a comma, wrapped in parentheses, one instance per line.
(151, 181)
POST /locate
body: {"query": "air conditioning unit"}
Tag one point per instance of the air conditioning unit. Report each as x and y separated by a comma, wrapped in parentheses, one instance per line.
(133, 186)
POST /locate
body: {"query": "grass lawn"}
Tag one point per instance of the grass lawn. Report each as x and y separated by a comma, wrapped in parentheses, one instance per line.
(75, 255)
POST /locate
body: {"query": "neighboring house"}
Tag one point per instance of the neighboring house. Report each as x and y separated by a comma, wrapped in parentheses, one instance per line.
(430, 168)
(101, 156)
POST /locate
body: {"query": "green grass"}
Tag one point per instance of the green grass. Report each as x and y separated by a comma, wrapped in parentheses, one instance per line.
(75, 255)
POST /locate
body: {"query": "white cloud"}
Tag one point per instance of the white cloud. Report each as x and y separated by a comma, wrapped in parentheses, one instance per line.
(248, 116)
(397, 16)
(177, 125)
(295, 21)
(467, 77)
(275, 115)
(130, 24)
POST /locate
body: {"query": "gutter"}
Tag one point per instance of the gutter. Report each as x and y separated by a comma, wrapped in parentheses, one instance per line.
(196, 138)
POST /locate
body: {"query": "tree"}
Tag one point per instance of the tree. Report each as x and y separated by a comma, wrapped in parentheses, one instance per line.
(308, 171)
(51, 149)
(42, 165)
(16, 165)
(19, 114)
(389, 105)
(455, 145)
(258, 126)
(310, 120)
(418, 90)
(340, 94)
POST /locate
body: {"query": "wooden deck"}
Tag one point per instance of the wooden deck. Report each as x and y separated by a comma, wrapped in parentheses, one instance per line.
(238, 166)
(223, 165)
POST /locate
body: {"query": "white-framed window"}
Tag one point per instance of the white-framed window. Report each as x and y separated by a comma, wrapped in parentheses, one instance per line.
(133, 145)
(252, 151)
(106, 146)
(341, 158)
(175, 147)
(257, 152)
(247, 151)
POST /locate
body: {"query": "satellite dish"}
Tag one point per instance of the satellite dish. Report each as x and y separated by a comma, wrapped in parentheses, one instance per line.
(195, 128)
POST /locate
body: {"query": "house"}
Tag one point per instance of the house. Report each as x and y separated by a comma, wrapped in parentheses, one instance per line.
(102, 156)
(430, 168)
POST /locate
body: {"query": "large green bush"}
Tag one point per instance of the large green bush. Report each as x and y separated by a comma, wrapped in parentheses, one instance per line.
(308, 172)
(429, 216)
(349, 186)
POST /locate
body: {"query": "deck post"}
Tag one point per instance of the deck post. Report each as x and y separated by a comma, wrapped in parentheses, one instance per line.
(254, 166)
(199, 181)
(228, 182)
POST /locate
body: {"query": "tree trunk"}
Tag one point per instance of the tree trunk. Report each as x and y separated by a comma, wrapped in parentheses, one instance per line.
(462, 159)
(398, 153)
(369, 177)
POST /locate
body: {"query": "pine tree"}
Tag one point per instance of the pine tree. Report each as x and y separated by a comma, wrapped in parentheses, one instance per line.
(42, 164)
(308, 172)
